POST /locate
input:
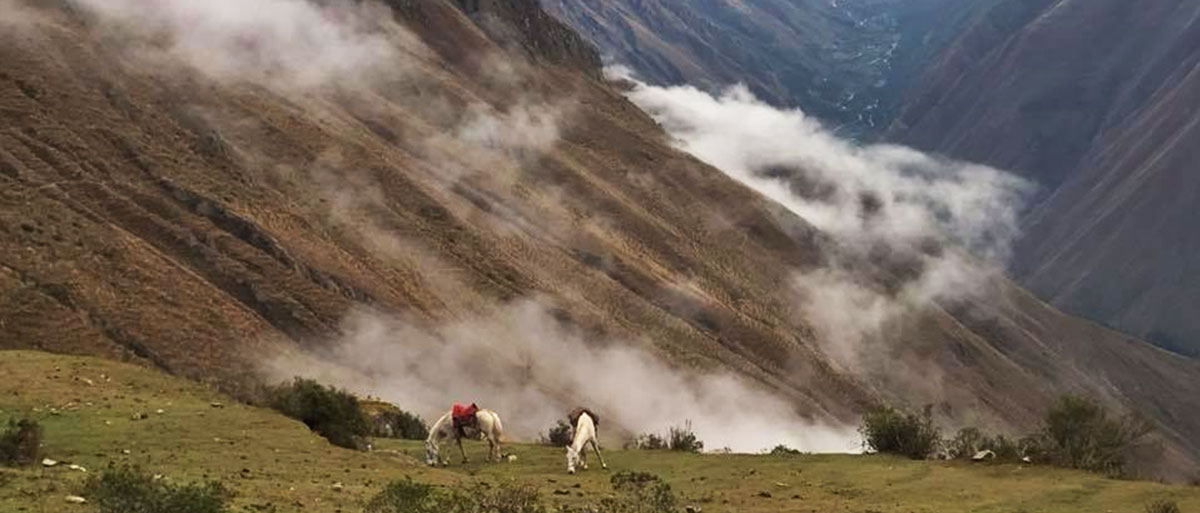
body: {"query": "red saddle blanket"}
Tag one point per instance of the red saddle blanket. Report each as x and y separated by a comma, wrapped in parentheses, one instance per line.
(463, 415)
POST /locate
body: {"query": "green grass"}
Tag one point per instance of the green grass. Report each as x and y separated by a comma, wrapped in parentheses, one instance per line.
(270, 460)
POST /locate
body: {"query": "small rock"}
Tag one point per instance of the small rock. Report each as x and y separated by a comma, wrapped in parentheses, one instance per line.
(692, 509)
(157, 477)
(512, 458)
(139, 416)
(1027, 459)
(216, 404)
(561, 492)
(76, 467)
(764, 494)
(126, 451)
(984, 455)
(781, 485)
(337, 487)
(576, 485)
(159, 411)
(75, 499)
(49, 462)
(89, 382)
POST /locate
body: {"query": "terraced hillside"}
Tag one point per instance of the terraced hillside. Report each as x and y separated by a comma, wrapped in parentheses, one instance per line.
(276, 464)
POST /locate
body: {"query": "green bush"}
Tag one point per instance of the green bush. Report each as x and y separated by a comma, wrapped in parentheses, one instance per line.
(783, 450)
(648, 441)
(682, 438)
(639, 492)
(970, 441)
(678, 438)
(1078, 433)
(397, 423)
(129, 490)
(20, 444)
(1162, 506)
(332, 413)
(559, 435)
(886, 430)
(407, 496)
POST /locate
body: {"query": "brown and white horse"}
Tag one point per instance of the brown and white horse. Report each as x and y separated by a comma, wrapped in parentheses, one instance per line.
(585, 434)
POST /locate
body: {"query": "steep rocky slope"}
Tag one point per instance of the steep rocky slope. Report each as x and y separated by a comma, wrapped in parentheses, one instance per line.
(201, 215)
(1097, 102)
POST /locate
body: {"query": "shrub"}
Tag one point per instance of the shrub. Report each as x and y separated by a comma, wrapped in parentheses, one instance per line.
(678, 438)
(407, 496)
(1078, 433)
(886, 430)
(783, 450)
(129, 490)
(648, 441)
(559, 435)
(20, 444)
(639, 492)
(388, 421)
(1162, 506)
(332, 413)
(970, 441)
(966, 443)
(682, 438)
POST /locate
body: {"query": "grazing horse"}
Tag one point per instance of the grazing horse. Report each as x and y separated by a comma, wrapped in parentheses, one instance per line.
(487, 427)
(585, 433)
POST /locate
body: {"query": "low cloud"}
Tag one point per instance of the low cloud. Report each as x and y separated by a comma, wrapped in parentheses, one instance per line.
(909, 230)
(532, 368)
(283, 44)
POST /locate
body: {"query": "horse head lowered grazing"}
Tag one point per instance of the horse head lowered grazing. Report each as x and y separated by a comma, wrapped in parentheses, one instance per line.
(487, 426)
(586, 433)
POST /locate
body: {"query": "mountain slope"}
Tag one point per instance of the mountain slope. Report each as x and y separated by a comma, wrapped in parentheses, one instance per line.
(201, 215)
(1096, 101)
(846, 62)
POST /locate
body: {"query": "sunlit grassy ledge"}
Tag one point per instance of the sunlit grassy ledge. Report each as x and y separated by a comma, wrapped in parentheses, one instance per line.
(87, 407)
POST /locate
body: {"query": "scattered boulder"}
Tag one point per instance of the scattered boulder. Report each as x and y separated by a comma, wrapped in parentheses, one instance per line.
(47, 462)
(77, 467)
(75, 499)
(337, 487)
(562, 492)
(984, 455)
(139, 416)
(692, 509)
(216, 404)
(764, 494)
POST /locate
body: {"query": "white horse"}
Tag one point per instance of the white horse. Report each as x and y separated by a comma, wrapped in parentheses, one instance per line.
(488, 427)
(585, 433)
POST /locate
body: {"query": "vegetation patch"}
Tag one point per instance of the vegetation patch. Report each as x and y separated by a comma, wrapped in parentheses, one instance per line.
(887, 430)
(20, 443)
(408, 496)
(1079, 433)
(389, 421)
(1162, 506)
(127, 489)
(332, 413)
(678, 438)
(559, 435)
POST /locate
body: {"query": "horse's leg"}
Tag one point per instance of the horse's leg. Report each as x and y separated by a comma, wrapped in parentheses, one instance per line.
(596, 447)
(461, 450)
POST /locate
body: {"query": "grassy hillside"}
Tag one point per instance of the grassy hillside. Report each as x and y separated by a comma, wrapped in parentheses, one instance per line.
(87, 405)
